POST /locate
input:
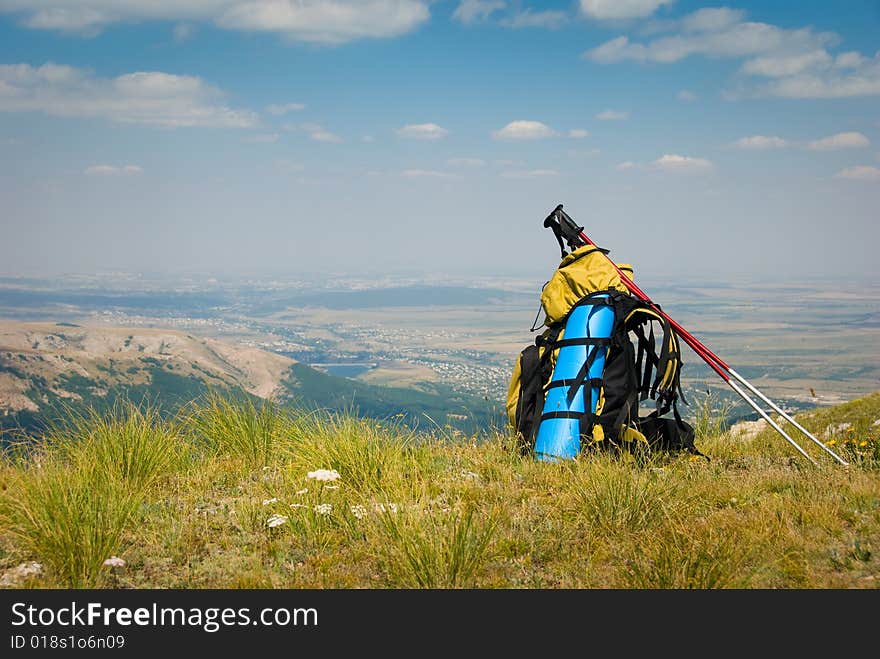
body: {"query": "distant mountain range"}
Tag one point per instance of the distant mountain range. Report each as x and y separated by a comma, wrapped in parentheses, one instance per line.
(45, 367)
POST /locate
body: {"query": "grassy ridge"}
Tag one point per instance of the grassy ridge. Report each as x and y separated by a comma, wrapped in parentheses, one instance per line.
(236, 493)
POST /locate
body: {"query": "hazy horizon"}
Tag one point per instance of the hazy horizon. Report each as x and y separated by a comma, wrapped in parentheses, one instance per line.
(479, 278)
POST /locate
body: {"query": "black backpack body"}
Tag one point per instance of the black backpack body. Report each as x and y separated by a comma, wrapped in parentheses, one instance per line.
(643, 361)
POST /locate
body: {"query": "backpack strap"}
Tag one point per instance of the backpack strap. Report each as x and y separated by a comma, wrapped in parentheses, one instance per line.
(647, 355)
(666, 364)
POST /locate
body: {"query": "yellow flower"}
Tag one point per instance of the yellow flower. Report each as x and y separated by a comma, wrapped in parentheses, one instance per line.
(831, 442)
(863, 443)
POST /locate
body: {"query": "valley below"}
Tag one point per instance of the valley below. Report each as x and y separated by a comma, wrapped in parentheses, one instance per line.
(438, 352)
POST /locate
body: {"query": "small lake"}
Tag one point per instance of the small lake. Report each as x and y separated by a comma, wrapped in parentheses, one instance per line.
(345, 370)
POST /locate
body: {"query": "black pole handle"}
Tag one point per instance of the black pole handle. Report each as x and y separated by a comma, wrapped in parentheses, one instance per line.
(548, 221)
(552, 222)
(564, 228)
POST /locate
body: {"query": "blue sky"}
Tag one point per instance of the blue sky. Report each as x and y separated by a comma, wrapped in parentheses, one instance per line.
(431, 138)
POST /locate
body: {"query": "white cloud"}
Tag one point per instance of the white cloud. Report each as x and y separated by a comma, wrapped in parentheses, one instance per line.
(624, 166)
(578, 133)
(759, 142)
(262, 138)
(321, 135)
(851, 140)
(860, 173)
(676, 163)
(284, 108)
(780, 66)
(422, 131)
(711, 19)
(865, 82)
(326, 21)
(474, 11)
(533, 173)
(524, 130)
(781, 62)
(616, 9)
(713, 34)
(113, 170)
(143, 97)
(82, 20)
(616, 50)
(182, 32)
(528, 18)
(817, 75)
(314, 131)
(685, 95)
(425, 173)
(612, 115)
(466, 162)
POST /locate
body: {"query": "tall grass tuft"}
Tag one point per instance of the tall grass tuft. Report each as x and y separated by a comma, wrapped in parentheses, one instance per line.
(239, 427)
(420, 549)
(83, 482)
(70, 517)
(368, 456)
(614, 496)
(711, 416)
(128, 442)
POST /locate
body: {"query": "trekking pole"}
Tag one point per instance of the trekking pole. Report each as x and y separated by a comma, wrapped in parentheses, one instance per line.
(567, 226)
(564, 226)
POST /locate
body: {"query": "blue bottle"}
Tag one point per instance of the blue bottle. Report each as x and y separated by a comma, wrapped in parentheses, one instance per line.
(559, 431)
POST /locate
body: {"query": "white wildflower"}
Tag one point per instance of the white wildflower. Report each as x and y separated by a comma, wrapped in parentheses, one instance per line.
(324, 508)
(298, 505)
(305, 490)
(331, 487)
(276, 520)
(469, 475)
(15, 576)
(269, 502)
(114, 561)
(383, 507)
(359, 511)
(324, 474)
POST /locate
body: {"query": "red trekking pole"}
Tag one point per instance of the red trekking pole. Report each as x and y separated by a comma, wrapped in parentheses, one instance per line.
(565, 228)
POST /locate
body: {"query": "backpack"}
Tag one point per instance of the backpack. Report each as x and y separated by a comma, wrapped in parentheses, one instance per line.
(638, 359)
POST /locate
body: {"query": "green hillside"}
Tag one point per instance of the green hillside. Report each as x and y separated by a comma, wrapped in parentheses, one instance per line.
(48, 369)
(305, 387)
(163, 390)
